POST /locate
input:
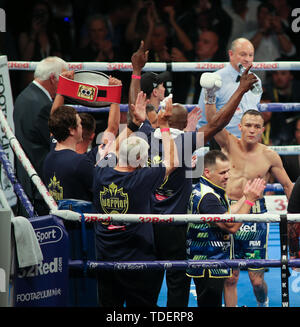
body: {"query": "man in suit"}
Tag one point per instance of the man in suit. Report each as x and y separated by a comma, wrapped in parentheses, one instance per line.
(37, 95)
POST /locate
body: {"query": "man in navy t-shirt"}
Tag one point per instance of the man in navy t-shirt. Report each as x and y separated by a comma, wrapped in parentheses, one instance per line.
(67, 174)
(127, 188)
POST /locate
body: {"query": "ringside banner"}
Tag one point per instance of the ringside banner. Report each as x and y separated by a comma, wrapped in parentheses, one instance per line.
(6, 105)
(45, 284)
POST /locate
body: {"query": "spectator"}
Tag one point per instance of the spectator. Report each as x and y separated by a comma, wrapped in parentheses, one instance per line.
(206, 15)
(180, 44)
(243, 14)
(40, 39)
(284, 11)
(206, 49)
(269, 40)
(142, 19)
(97, 46)
(117, 18)
(35, 98)
(179, 37)
(282, 88)
(158, 42)
(8, 48)
(64, 21)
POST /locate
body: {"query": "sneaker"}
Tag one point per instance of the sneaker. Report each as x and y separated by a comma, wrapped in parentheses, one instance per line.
(264, 304)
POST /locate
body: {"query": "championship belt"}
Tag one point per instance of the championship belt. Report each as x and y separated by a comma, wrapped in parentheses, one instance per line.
(89, 88)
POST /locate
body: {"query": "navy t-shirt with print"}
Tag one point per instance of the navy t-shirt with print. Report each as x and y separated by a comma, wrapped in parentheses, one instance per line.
(109, 160)
(68, 175)
(124, 193)
(173, 195)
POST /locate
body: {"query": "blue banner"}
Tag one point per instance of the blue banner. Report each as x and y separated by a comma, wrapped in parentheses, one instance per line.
(45, 284)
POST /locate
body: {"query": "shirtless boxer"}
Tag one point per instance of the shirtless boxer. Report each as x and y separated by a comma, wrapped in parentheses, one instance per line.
(249, 159)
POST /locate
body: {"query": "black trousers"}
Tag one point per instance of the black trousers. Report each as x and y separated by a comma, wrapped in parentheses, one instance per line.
(209, 291)
(130, 288)
(170, 243)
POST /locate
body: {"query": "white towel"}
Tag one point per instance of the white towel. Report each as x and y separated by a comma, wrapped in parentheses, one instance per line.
(28, 249)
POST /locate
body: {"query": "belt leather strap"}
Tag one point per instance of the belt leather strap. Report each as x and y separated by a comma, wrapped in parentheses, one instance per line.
(88, 92)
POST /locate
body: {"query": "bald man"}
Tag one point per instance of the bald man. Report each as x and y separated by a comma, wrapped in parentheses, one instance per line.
(241, 51)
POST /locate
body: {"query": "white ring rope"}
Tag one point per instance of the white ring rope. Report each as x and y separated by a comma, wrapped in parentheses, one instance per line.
(159, 66)
(151, 66)
(14, 143)
(172, 219)
(281, 150)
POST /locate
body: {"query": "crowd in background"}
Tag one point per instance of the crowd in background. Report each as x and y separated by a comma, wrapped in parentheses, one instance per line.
(173, 31)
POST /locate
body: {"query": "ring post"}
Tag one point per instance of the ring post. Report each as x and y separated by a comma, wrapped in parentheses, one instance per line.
(284, 262)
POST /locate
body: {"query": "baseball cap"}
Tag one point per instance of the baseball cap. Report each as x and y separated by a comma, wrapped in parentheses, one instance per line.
(151, 80)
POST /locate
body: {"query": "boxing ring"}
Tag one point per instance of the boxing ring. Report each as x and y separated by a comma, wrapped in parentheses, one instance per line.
(284, 263)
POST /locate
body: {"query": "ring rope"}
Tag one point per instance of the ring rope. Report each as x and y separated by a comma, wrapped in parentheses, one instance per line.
(159, 66)
(180, 264)
(279, 107)
(172, 219)
(15, 145)
(280, 149)
(276, 187)
(15, 183)
(163, 218)
(263, 107)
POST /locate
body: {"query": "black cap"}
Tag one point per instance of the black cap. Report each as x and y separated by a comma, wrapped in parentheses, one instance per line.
(151, 80)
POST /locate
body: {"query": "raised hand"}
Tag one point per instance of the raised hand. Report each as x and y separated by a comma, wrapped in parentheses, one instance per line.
(114, 81)
(247, 80)
(68, 74)
(139, 58)
(193, 118)
(138, 109)
(211, 83)
(253, 189)
(164, 115)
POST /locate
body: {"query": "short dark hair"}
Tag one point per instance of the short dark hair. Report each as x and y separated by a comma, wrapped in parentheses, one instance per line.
(61, 120)
(269, 6)
(150, 107)
(252, 112)
(211, 157)
(88, 123)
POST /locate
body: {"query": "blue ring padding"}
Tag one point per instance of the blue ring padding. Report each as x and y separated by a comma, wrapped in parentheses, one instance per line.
(272, 107)
(180, 265)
